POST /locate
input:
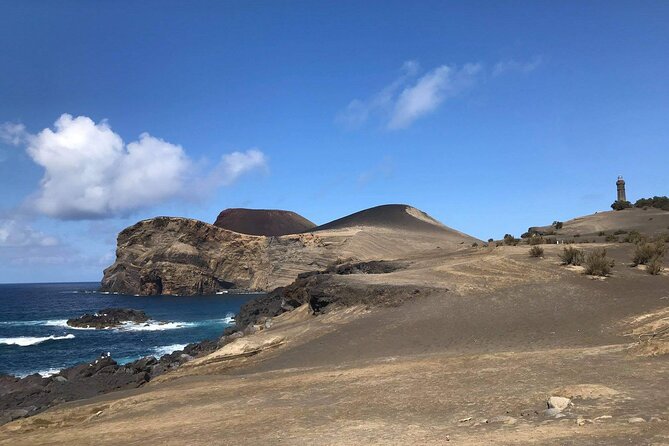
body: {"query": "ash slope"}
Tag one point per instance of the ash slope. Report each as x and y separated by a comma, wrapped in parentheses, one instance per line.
(269, 222)
(168, 255)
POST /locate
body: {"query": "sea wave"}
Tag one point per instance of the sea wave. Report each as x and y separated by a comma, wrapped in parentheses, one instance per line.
(152, 325)
(43, 373)
(25, 341)
(167, 349)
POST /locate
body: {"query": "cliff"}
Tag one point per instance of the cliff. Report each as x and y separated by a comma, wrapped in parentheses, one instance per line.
(181, 256)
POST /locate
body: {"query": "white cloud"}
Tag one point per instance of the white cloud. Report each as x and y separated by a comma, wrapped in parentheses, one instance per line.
(235, 164)
(513, 66)
(406, 99)
(429, 92)
(15, 234)
(12, 133)
(89, 172)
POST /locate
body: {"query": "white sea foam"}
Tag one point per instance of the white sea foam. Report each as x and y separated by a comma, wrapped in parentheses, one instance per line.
(48, 372)
(167, 349)
(24, 341)
(152, 325)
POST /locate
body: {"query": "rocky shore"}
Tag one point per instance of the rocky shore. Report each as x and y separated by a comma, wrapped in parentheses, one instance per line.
(321, 290)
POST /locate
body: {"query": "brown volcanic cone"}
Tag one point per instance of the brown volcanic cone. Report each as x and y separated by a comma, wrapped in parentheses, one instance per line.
(396, 216)
(269, 222)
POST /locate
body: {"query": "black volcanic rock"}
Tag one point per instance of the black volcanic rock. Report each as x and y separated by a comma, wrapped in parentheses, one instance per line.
(268, 222)
(23, 397)
(108, 318)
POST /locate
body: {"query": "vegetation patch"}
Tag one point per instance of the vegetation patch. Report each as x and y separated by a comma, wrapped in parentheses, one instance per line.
(597, 263)
(536, 251)
(655, 202)
(572, 256)
(646, 252)
(619, 205)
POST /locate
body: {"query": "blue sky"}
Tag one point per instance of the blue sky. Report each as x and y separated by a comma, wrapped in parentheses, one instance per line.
(490, 116)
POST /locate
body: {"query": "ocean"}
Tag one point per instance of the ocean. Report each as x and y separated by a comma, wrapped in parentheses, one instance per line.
(34, 337)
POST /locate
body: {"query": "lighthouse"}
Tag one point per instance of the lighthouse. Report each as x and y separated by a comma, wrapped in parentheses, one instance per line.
(620, 184)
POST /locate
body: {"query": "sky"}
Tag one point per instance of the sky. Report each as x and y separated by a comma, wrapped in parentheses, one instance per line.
(489, 116)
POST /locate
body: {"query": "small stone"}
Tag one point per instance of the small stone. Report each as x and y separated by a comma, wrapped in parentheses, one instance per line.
(603, 417)
(464, 420)
(636, 420)
(655, 419)
(60, 379)
(553, 412)
(268, 323)
(558, 402)
(583, 421)
(502, 419)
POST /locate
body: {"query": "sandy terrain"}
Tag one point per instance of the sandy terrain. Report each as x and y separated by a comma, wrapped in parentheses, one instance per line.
(471, 363)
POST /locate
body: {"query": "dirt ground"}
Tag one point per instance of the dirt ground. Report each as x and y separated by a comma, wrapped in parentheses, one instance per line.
(471, 364)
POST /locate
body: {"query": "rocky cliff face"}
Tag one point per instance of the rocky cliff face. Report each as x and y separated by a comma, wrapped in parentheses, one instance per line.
(181, 256)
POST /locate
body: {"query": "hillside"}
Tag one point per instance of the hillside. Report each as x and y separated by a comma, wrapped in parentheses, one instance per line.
(181, 256)
(404, 353)
(268, 222)
(396, 216)
(651, 221)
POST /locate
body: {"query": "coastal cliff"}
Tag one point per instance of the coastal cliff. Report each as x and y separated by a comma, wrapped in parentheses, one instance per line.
(180, 256)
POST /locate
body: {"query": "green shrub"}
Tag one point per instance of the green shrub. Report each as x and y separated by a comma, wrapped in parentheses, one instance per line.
(656, 202)
(558, 224)
(635, 237)
(620, 232)
(571, 256)
(536, 240)
(536, 251)
(645, 252)
(510, 240)
(474, 245)
(597, 264)
(654, 266)
(601, 233)
(620, 205)
(611, 238)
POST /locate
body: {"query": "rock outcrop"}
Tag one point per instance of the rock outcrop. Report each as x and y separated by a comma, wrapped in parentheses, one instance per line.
(180, 256)
(23, 397)
(109, 318)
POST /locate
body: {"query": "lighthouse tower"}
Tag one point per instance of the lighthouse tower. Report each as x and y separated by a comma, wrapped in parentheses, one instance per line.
(620, 184)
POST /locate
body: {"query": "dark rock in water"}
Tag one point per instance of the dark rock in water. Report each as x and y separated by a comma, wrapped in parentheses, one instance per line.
(109, 318)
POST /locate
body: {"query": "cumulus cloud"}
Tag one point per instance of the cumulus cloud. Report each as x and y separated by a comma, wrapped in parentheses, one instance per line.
(90, 173)
(514, 66)
(410, 97)
(15, 234)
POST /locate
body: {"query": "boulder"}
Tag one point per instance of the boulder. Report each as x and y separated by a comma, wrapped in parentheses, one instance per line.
(559, 403)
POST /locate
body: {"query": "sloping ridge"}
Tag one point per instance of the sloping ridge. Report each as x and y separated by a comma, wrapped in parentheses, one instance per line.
(267, 222)
(392, 216)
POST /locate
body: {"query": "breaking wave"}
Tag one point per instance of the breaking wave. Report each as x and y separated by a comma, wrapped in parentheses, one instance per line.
(151, 325)
(24, 341)
(167, 349)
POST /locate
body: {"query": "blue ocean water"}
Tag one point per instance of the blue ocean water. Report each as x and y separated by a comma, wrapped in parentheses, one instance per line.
(35, 339)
